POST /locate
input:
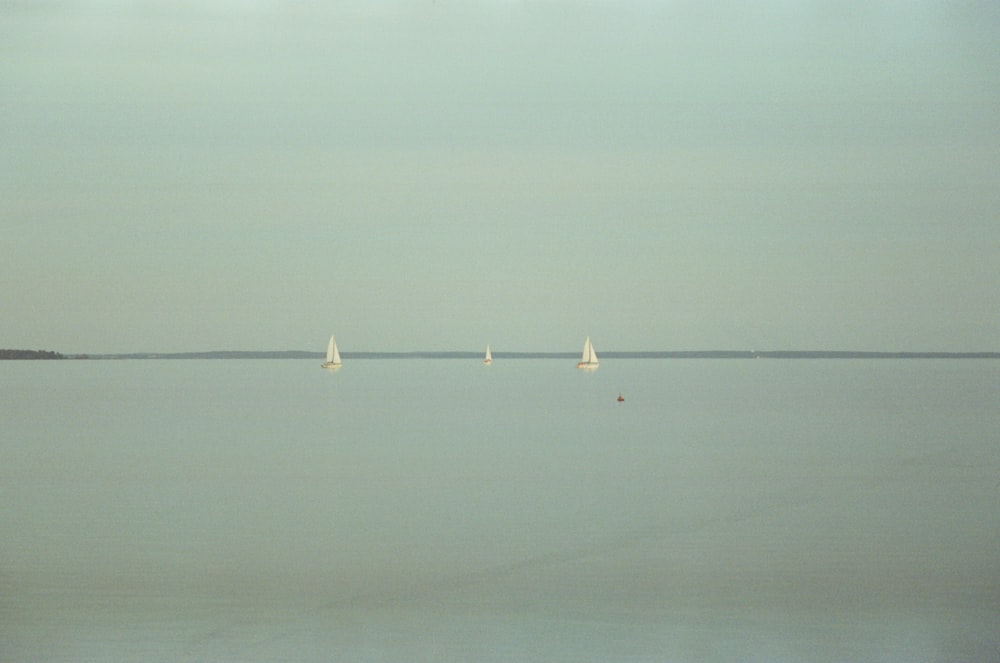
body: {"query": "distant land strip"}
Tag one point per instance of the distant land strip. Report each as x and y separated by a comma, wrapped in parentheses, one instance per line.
(454, 354)
(30, 354)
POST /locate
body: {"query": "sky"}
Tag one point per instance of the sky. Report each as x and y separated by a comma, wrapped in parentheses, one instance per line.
(439, 175)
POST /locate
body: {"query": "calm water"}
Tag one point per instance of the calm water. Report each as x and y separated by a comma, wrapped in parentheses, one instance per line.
(442, 510)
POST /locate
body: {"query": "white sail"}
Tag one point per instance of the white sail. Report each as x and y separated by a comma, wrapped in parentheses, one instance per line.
(589, 357)
(332, 355)
(489, 355)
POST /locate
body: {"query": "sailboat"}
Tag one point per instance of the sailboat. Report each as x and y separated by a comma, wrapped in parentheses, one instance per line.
(589, 358)
(332, 355)
(489, 355)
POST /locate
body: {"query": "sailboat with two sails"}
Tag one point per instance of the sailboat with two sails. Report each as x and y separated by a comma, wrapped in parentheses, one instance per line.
(332, 355)
(589, 358)
(489, 355)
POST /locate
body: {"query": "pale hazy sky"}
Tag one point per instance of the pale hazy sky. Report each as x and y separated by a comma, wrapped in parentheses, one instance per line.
(439, 175)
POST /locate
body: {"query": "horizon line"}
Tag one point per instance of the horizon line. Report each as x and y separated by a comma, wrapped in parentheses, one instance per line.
(518, 354)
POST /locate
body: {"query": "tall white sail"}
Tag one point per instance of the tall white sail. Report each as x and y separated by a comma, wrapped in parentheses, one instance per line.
(332, 355)
(489, 355)
(589, 358)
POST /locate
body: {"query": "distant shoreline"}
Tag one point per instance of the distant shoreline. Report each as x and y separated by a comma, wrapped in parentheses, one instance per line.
(430, 354)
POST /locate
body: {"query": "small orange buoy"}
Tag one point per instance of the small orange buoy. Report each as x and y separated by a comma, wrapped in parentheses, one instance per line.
(621, 399)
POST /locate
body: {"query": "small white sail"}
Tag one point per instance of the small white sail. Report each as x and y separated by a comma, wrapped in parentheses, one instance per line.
(489, 355)
(332, 355)
(589, 357)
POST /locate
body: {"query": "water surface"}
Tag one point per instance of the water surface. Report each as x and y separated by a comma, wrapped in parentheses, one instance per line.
(442, 510)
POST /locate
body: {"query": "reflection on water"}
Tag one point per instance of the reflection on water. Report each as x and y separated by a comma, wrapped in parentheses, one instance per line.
(443, 510)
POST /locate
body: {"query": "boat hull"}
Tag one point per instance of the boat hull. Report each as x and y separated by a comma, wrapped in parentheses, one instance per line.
(587, 365)
(330, 365)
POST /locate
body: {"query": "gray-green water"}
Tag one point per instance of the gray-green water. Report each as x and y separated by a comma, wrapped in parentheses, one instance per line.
(422, 510)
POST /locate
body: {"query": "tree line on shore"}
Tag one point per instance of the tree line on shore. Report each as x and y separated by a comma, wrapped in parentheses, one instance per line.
(30, 354)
